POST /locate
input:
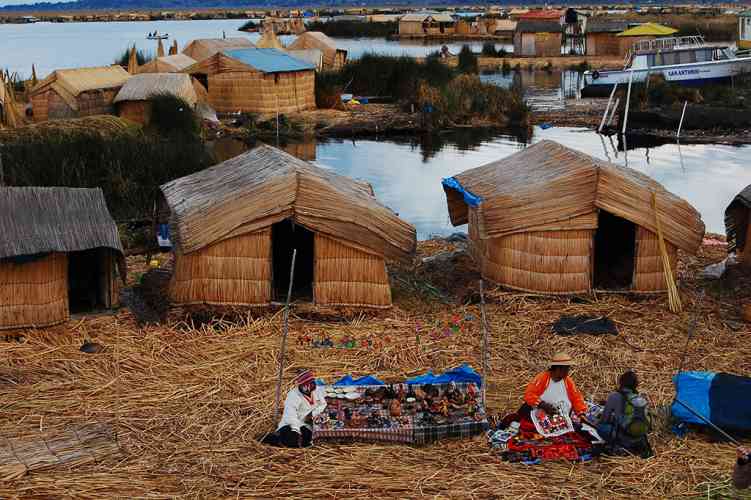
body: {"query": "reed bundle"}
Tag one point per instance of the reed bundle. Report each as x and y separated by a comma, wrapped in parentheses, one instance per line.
(674, 300)
(189, 398)
(71, 447)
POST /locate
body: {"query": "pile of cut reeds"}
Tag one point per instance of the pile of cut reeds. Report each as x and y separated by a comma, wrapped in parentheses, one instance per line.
(189, 399)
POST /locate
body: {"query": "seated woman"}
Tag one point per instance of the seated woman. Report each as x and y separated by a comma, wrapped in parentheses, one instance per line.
(553, 391)
(624, 423)
(303, 402)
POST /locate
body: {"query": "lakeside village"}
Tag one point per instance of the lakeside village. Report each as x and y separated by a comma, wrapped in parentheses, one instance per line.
(174, 324)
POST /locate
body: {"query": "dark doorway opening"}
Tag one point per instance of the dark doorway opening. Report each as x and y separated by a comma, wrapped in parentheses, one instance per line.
(285, 237)
(86, 281)
(615, 252)
(203, 79)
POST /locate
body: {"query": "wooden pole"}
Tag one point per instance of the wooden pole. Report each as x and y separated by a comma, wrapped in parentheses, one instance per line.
(680, 124)
(484, 344)
(285, 331)
(607, 108)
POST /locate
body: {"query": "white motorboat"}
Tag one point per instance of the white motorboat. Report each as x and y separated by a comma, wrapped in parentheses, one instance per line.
(686, 60)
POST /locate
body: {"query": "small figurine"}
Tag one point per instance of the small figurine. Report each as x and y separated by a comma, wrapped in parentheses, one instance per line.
(395, 408)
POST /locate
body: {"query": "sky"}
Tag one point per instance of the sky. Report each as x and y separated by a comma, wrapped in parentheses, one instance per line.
(3, 3)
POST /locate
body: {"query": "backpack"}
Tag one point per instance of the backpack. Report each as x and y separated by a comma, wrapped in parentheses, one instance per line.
(635, 422)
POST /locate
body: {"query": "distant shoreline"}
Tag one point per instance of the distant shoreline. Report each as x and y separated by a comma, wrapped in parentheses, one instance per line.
(130, 15)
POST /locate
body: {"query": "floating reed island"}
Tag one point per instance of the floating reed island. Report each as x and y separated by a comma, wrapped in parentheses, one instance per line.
(188, 399)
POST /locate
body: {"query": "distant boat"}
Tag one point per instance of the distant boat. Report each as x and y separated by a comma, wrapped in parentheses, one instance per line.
(157, 36)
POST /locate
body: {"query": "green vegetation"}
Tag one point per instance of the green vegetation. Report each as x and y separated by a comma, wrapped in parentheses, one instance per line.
(172, 116)
(467, 60)
(141, 56)
(128, 165)
(355, 29)
(489, 50)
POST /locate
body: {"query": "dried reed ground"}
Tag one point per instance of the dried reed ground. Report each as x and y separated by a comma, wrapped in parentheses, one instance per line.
(188, 402)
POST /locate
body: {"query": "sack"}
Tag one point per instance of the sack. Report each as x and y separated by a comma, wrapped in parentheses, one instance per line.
(635, 415)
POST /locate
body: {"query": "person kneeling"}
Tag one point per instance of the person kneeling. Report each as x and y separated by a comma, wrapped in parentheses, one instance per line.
(624, 423)
(295, 429)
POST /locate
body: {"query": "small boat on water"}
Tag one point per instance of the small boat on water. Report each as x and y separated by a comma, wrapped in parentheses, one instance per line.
(686, 60)
(157, 36)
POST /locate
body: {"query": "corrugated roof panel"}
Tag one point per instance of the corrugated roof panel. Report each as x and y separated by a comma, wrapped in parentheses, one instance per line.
(269, 60)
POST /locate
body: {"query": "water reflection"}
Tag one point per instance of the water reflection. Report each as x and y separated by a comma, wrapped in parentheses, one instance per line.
(543, 90)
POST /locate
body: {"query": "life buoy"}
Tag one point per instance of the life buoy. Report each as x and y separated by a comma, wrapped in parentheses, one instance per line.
(595, 75)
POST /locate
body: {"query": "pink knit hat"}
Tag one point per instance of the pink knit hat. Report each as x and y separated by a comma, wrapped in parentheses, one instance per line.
(305, 377)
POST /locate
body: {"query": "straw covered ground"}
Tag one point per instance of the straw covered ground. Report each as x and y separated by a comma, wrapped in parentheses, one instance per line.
(188, 399)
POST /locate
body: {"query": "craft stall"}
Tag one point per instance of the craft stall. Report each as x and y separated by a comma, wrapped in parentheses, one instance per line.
(417, 411)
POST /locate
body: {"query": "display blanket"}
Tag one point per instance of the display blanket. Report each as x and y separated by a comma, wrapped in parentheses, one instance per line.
(408, 412)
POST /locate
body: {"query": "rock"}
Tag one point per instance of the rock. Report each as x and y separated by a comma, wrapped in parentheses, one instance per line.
(457, 238)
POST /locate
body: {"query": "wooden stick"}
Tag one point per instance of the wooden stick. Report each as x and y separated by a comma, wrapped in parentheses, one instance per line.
(484, 343)
(708, 422)
(674, 300)
(285, 331)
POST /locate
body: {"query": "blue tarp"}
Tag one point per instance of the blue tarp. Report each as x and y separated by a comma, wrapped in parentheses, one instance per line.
(693, 389)
(469, 197)
(269, 60)
(460, 374)
(722, 398)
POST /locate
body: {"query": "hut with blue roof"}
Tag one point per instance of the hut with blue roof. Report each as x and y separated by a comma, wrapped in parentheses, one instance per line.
(256, 81)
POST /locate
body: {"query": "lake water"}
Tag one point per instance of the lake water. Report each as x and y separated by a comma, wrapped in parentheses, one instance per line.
(406, 174)
(53, 46)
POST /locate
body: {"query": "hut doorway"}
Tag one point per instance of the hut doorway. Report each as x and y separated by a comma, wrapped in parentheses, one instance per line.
(614, 252)
(285, 237)
(86, 287)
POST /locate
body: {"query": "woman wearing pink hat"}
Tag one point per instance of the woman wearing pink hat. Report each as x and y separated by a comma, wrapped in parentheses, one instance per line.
(295, 429)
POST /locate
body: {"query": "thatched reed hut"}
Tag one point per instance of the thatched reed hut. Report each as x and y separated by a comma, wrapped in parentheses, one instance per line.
(601, 36)
(539, 38)
(333, 57)
(167, 64)
(551, 219)
(203, 48)
(133, 99)
(73, 93)
(60, 252)
(269, 40)
(234, 227)
(312, 56)
(256, 80)
(736, 226)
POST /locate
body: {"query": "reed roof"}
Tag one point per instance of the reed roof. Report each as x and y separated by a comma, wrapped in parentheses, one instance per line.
(548, 184)
(267, 185)
(76, 81)
(167, 64)
(737, 219)
(204, 48)
(142, 87)
(538, 26)
(421, 17)
(36, 220)
(269, 40)
(316, 40)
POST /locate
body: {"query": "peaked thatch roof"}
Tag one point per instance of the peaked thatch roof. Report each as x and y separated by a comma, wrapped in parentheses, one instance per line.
(78, 80)
(142, 87)
(267, 185)
(548, 184)
(203, 48)
(167, 64)
(605, 25)
(36, 220)
(269, 40)
(317, 40)
(737, 219)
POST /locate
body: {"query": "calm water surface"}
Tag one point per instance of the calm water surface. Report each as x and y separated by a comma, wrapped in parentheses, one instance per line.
(53, 46)
(407, 176)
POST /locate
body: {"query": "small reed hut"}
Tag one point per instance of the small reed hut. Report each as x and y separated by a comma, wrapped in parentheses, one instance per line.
(203, 48)
(539, 38)
(234, 227)
(133, 99)
(256, 81)
(333, 58)
(550, 219)
(167, 64)
(601, 36)
(736, 226)
(419, 24)
(269, 40)
(74, 93)
(60, 253)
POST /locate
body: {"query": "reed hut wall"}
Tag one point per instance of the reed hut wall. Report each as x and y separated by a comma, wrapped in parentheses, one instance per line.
(603, 44)
(34, 294)
(50, 105)
(235, 271)
(648, 271)
(348, 276)
(257, 92)
(135, 111)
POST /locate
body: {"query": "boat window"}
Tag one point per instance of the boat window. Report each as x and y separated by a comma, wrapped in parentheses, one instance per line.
(651, 60)
(703, 55)
(686, 57)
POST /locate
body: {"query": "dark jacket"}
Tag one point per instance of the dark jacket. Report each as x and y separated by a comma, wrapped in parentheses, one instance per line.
(742, 474)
